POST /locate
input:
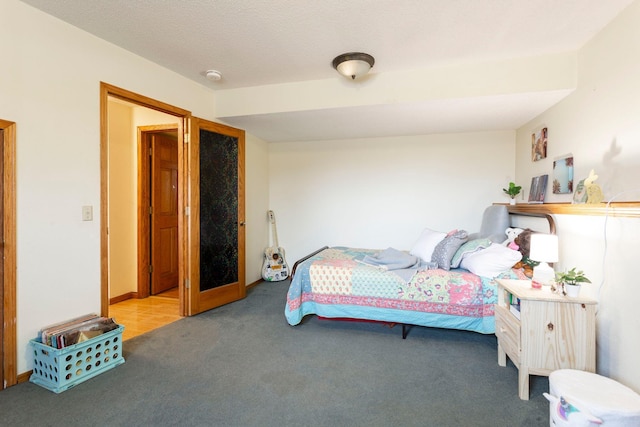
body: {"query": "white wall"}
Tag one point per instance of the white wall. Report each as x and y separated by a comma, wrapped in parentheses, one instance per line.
(123, 200)
(58, 156)
(257, 204)
(600, 125)
(382, 192)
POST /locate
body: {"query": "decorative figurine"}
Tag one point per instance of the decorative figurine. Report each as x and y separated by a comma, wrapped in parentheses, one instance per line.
(594, 192)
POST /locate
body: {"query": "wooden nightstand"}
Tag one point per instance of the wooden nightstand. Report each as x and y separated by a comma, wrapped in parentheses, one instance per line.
(552, 332)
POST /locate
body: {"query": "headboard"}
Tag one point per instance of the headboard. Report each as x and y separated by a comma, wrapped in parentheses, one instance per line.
(498, 217)
(514, 210)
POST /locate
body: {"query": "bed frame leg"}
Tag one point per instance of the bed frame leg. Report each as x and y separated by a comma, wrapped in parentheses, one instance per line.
(405, 330)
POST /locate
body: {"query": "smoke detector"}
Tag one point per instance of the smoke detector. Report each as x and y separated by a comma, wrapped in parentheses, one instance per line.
(213, 75)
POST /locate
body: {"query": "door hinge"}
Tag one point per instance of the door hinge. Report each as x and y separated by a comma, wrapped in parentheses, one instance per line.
(150, 210)
(187, 138)
(150, 269)
(187, 283)
(187, 211)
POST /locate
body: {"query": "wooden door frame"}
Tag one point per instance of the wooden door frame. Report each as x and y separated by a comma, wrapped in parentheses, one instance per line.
(9, 353)
(144, 202)
(107, 90)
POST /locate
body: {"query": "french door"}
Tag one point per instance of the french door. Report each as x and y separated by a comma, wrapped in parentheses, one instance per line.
(216, 215)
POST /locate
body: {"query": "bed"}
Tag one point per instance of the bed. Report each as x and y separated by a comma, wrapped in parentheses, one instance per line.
(336, 283)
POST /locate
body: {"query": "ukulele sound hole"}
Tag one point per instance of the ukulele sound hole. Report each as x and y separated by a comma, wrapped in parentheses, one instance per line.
(275, 257)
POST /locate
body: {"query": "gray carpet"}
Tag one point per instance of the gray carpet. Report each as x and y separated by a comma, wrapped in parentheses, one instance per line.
(243, 365)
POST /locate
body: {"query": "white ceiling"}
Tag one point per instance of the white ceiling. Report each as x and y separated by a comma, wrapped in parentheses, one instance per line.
(266, 42)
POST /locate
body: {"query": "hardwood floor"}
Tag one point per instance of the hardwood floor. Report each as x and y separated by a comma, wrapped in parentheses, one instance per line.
(143, 315)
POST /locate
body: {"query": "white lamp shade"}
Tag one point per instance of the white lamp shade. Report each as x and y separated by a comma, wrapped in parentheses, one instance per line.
(543, 247)
(354, 68)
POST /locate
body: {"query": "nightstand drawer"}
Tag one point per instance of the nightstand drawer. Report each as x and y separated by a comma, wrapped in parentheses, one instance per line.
(508, 331)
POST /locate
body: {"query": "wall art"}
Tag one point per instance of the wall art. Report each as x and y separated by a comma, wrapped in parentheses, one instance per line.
(539, 145)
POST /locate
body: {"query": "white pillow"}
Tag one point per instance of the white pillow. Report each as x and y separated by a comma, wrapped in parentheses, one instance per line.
(426, 243)
(492, 261)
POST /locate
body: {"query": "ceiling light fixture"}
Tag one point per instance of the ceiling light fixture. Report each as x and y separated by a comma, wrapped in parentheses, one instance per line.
(213, 75)
(353, 64)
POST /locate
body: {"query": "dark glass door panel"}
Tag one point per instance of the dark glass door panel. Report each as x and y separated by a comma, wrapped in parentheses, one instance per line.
(218, 209)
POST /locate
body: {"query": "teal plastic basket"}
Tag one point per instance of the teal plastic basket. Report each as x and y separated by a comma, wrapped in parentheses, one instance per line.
(60, 369)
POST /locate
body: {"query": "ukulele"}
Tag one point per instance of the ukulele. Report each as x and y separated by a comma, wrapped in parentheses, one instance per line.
(274, 267)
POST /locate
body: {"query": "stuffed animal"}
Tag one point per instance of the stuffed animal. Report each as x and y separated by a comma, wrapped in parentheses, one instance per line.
(564, 412)
(523, 241)
(512, 233)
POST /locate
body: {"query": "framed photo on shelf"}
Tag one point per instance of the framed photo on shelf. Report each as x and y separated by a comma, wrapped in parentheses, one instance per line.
(538, 188)
(563, 175)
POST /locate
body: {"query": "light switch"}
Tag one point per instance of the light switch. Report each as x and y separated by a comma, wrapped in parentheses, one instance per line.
(87, 213)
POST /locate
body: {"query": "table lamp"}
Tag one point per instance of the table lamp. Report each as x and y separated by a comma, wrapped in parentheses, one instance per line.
(544, 249)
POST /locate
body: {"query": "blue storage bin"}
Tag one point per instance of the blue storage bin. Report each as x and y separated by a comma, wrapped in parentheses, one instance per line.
(60, 369)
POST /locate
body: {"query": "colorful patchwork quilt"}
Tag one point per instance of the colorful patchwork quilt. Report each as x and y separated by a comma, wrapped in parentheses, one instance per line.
(335, 283)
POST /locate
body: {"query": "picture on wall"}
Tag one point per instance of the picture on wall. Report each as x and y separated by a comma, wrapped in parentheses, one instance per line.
(538, 188)
(539, 145)
(563, 175)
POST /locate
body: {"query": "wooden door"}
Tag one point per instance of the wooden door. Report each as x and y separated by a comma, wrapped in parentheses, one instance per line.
(216, 215)
(164, 212)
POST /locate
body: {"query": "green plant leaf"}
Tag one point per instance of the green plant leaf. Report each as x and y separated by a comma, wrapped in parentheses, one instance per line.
(572, 277)
(513, 189)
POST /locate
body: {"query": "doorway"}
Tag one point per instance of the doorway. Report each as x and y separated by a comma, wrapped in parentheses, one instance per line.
(164, 211)
(144, 295)
(8, 309)
(193, 298)
(158, 206)
(125, 196)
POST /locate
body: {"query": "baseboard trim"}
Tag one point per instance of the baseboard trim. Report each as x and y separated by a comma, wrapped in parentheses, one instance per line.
(254, 284)
(24, 377)
(123, 297)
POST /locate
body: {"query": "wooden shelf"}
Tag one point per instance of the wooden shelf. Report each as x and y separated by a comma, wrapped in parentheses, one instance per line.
(619, 209)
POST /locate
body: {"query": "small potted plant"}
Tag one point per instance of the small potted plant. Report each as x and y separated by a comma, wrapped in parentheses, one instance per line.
(571, 281)
(512, 191)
